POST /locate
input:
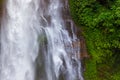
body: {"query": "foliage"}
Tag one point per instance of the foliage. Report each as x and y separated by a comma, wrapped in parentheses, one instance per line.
(100, 22)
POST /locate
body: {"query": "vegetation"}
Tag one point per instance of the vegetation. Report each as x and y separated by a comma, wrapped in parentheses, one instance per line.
(100, 22)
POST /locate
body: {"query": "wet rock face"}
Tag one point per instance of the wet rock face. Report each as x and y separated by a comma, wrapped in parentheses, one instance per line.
(70, 24)
(1, 3)
(83, 50)
(84, 53)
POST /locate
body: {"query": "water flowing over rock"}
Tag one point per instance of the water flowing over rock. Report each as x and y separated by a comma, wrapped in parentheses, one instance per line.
(35, 42)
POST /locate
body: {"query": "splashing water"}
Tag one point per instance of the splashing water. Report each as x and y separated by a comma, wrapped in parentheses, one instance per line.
(35, 44)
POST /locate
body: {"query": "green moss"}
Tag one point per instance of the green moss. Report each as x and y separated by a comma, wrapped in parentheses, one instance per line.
(91, 70)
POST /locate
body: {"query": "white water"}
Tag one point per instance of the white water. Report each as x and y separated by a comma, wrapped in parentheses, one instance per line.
(35, 44)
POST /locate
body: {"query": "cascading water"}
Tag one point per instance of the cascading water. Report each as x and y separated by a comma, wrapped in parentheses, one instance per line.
(35, 44)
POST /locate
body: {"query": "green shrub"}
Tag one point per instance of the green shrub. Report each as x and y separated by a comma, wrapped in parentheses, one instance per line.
(100, 22)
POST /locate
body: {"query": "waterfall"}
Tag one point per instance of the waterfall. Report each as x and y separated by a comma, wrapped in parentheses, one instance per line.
(35, 44)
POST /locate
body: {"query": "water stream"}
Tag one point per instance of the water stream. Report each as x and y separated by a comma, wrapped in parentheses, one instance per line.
(35, 44)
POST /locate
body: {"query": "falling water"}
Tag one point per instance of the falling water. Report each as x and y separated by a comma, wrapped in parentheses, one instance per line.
(35, 44)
